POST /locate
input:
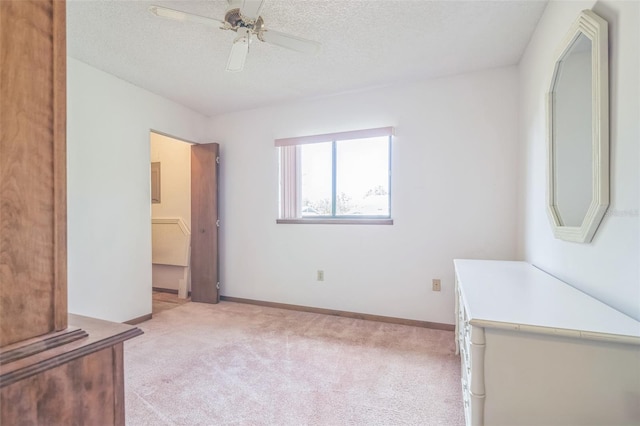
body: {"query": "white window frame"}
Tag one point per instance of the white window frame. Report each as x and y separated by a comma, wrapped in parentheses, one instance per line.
(290, 191)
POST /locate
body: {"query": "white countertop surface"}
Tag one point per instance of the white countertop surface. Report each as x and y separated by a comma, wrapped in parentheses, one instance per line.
(517, 295)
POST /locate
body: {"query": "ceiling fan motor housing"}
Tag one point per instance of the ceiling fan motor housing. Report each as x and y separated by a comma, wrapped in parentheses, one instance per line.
(235, 19)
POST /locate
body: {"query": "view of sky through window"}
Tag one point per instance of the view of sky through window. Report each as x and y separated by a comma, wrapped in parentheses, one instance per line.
(361, 173)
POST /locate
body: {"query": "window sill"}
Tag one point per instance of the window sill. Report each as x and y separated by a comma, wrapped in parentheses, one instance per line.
(341, 221)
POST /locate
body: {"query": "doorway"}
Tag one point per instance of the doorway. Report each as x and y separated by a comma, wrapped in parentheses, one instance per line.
(184, 198)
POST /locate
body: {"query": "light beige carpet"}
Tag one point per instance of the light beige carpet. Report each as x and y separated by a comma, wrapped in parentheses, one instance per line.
(237, 364)
(163, 301)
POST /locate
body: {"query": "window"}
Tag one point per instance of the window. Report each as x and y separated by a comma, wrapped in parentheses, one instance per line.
(336, 178)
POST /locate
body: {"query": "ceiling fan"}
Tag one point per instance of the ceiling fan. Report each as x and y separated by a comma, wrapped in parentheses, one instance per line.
(243, 17)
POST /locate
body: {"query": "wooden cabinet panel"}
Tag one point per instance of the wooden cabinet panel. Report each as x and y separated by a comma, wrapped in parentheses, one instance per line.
(80, 392)
(33, 298)
(71, 377)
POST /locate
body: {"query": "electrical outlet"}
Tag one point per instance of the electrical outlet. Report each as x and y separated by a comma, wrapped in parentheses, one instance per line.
(320, 275)
(436, 286)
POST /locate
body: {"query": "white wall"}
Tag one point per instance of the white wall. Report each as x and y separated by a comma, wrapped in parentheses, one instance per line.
(108, 175)
(453, 196)
(609, 267)
(175, 197)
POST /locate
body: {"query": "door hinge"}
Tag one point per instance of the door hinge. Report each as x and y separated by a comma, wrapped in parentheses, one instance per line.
(217, 160)
(218, 223)
(218, 285)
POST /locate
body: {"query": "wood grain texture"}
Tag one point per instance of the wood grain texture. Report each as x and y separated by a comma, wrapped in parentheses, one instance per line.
(32, 163)
(117, 352)
(80, 392)
(79, 383)
(26, 348)
(60, 164)
(101, 335)
(204, 231)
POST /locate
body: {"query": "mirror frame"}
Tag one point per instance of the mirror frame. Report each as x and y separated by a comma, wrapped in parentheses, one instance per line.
(596, 29)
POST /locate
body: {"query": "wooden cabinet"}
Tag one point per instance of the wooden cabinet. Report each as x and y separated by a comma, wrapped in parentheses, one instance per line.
(536, 351)
(71, 377)
(55, 368)
(33, 297)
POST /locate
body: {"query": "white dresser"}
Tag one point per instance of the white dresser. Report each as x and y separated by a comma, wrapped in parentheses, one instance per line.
(536, 351)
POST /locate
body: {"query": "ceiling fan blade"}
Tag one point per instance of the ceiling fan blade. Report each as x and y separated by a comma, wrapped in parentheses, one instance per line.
(251, 9)
(239, 51)
(177, 15)
(289, 41)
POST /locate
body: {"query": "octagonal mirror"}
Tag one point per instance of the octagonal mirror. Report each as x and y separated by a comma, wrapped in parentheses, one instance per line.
(578, 131)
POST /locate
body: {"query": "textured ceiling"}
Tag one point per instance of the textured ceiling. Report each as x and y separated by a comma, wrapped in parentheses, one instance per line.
(364, 44)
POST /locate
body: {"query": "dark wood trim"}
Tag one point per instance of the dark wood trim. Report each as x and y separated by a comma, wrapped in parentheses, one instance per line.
(164, 290)
(205, 256)
(33, 346)
(138, 320)
(59, 84)
(346, 314)
(335, 221)
(117, 352)
(101, 335)
(168, 290)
